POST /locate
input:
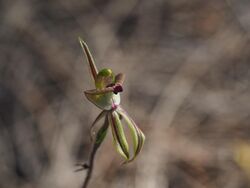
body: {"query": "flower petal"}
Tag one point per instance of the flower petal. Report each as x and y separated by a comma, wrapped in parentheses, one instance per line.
(137, 135)
(91, 62)
(120, 140)
(119, 78)
(104, 99)
(99, 91)
(98, 118)
(101, 134)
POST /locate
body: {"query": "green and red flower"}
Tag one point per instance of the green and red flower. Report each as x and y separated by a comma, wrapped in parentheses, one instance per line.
(106, 96)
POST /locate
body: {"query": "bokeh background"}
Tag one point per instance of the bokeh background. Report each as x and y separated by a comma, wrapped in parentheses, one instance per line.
(187, 86)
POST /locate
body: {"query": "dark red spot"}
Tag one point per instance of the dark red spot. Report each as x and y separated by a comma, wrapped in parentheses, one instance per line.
(117, 88)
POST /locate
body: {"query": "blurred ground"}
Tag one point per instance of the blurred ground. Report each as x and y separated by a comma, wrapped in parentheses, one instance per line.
(187, 86)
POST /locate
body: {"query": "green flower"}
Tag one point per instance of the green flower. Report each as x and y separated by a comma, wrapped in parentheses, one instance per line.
(106, 96)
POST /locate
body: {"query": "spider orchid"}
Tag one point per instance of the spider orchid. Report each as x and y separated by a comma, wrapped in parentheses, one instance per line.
(106, 96)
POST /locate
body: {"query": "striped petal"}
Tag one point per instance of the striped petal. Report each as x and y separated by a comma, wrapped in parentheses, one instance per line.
(119, 138)
(137, 135)
(91, 62)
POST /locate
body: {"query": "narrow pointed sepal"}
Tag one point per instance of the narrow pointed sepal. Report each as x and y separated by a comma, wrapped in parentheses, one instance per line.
(138, 137)
(91, 62)
(98, 118)
(102, 132)
(119, 138)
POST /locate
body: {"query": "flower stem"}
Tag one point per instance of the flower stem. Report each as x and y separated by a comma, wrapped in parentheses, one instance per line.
(90, 165)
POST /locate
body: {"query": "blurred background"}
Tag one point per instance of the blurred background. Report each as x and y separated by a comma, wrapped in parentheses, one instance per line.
(187, 86)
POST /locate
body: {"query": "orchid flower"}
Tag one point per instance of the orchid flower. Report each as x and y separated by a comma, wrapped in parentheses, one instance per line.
(106, 96)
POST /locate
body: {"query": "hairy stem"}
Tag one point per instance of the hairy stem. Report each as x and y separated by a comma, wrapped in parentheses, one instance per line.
(90, 167)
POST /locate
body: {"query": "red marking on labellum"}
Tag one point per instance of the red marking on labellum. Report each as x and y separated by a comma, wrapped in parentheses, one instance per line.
(117, 88)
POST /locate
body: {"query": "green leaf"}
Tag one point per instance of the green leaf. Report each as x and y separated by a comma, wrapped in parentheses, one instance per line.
(120, 140)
